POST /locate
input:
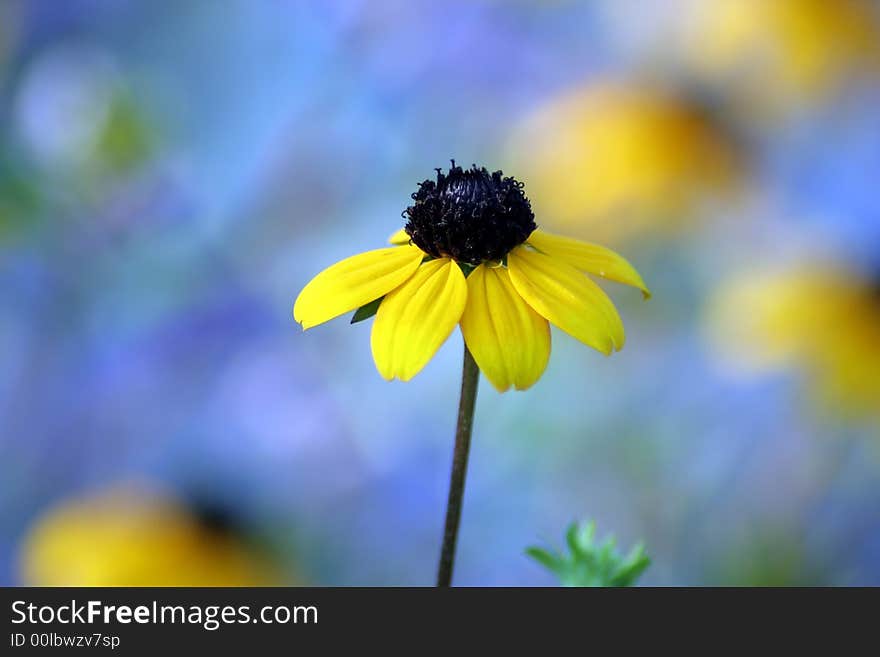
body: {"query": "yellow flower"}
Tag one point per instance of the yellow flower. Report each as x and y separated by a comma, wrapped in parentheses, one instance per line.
(815, 316)
(783, 51)
(129, 536)
(471, 255)
(615, 160)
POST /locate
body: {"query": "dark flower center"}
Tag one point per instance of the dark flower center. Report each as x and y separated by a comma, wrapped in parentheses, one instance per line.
(470, 215)
(874, 288)
(214, 516)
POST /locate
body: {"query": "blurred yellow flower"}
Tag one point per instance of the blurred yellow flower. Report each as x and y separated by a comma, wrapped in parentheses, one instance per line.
(132, 537)
(817, 316)
(783, 51)
(612, 160)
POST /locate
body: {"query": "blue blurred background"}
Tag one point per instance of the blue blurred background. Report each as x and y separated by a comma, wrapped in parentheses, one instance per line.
(172, 174)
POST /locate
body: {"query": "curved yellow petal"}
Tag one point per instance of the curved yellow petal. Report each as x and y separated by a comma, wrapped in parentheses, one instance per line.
(416, 318)
(399, 238)
(591, 258)
(563, 295)
(509, 340)
(353, 282)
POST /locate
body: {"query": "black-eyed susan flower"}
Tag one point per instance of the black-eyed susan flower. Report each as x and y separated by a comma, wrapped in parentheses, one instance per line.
(471, 255)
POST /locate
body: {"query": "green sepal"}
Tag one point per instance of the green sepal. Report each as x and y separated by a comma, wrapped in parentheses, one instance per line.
(366, 311)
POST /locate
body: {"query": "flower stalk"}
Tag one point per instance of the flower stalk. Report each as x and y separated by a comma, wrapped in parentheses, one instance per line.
(470, 377)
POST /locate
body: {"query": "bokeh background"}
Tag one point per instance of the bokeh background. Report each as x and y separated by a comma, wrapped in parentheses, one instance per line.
(171, 175)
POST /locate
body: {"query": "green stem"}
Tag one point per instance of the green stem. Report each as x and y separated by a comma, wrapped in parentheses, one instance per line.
(470, 377)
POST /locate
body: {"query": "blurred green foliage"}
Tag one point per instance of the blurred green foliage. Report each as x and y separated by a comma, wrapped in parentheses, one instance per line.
(591, 563)
(125, 140)
(19, 197)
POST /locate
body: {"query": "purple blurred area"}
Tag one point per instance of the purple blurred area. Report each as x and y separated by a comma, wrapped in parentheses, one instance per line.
(172, 174)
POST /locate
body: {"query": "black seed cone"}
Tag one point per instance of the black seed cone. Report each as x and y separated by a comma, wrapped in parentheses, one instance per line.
(470, 215)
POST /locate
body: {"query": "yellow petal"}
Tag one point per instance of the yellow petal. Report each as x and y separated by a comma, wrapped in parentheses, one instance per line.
(591, 258)
(416, 318)
(509, 340)
(563, 295)
(399, 238)
(351, 283)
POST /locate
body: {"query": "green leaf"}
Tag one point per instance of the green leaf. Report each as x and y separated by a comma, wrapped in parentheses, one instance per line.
(634, 565)
(592, 564)
(366, 311)
(549, 560)
(571, 537)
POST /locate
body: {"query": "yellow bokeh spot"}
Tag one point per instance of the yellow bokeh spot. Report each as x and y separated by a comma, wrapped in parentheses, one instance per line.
(779, 52)
(132, 536)
(609, 160)
(815, 317)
